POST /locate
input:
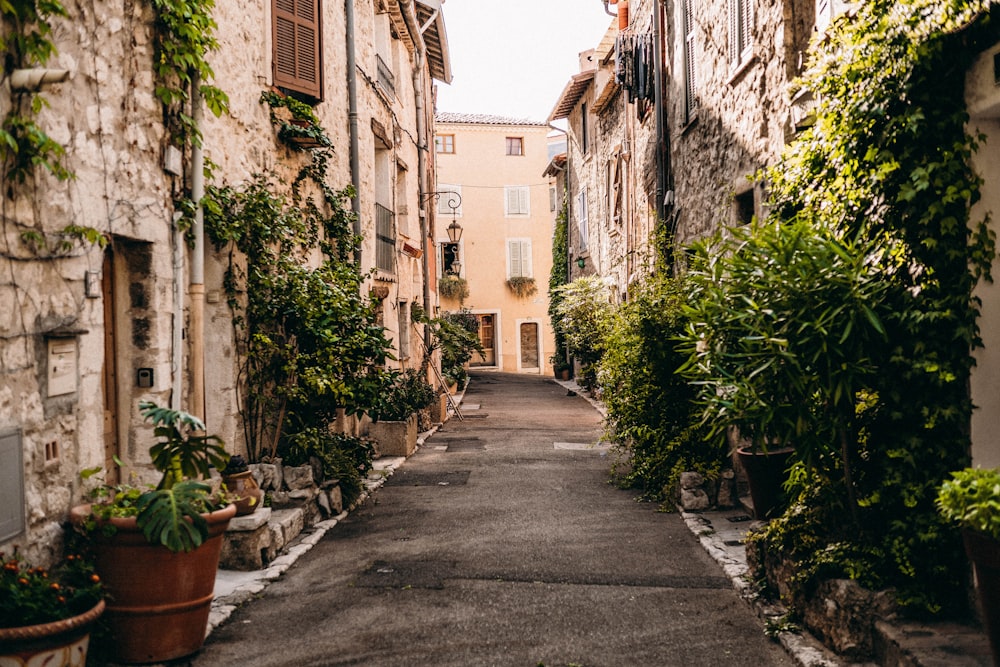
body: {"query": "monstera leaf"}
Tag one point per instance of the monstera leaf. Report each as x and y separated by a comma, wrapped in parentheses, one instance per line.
(173, 517)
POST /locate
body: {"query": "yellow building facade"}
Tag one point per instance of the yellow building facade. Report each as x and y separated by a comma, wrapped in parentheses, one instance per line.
(489, 174)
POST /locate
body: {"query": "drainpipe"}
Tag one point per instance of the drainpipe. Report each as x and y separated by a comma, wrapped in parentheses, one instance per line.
(196, 288)
(177, 354)
(352, 115)
(419, 57)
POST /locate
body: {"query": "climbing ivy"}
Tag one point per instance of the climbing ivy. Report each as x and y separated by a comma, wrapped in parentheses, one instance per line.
(184, 36)
(888, 162)
(310, 343)
(25, 42)
(559, 276)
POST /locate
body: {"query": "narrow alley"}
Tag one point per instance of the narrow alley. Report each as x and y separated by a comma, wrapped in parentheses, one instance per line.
(501, 543)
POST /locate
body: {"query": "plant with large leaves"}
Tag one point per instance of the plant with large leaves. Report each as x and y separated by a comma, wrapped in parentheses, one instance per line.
(172, 513)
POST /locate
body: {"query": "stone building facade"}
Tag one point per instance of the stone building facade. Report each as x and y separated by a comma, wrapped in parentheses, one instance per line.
(88, 332)
(507, 211)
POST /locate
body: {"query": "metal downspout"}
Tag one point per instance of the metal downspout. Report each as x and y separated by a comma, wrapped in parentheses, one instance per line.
(196, 288)
(419, 57)
(352, 115)
(176, 351)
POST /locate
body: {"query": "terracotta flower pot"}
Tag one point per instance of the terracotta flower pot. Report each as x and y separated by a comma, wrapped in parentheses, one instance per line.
(159, 600)
(766, 474)
(58, 644)
(984, 552)
(244, 491)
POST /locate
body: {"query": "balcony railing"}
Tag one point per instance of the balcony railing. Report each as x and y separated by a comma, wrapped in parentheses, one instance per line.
(385, 239)
(386, 79)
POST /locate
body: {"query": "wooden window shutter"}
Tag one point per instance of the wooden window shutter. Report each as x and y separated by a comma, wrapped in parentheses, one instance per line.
(296, 57)
(734, 32)
(514, 252)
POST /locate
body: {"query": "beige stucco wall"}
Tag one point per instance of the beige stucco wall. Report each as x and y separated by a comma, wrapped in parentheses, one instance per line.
(983, 98)
(482, 169)
(106, 117)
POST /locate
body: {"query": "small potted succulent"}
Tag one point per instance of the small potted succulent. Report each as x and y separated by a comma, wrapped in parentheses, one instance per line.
(46, 613)
(157, 549)
(971, 501)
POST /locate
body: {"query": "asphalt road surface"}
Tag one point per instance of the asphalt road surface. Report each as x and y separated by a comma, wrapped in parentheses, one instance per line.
(500, 542)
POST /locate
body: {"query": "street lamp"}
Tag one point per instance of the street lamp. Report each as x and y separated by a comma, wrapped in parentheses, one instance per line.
(581, 262)
(454, 203)
(454, 230)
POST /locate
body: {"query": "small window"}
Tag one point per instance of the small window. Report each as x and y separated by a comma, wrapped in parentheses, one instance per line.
(404, 329)
(296, 56)
(451, 254)
(744, 207)
(690, 82)
(518, 258)
(515, 145)
(584, 128)
(740, 31)
(552, 199)
(444, 143)
(581, 218)
(516, 200)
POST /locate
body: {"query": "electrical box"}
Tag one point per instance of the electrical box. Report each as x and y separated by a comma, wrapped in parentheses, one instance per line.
(62, 370)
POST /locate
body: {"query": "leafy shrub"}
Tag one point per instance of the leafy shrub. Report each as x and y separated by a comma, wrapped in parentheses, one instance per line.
(408, 393)
(522, 286)
(458, 336)
(453, 287)
(971, 500)
(583, 318)
(651, 413)
(343, 457)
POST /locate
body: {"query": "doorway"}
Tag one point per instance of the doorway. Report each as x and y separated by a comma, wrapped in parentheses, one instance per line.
(529, 346)
(110, 372)
(487, 337)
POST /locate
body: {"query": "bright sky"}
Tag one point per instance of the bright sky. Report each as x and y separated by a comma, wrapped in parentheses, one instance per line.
(513, 57)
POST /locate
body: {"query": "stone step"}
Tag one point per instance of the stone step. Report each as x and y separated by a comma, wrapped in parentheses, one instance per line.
(251, 542)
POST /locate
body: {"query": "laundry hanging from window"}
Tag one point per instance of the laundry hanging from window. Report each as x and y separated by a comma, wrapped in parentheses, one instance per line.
(634, 66)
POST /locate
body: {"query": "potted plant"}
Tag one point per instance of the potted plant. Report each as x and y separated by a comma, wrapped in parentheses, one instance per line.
(762, 308)
(157, 549)
(395, 423)
(453, 287)
(522, 286)
(971, 501)
(296, 121)
(560, 367)
(241, 487)
(46, 615)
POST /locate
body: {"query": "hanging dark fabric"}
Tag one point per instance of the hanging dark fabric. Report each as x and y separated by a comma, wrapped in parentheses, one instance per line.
(634, 68)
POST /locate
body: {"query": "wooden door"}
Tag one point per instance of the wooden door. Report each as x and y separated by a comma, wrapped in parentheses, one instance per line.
(529, 345)
(487, 336)
(110, 384)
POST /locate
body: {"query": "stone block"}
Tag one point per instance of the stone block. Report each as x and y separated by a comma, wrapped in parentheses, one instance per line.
(247, 543)
(694, 500)
(692, 480)
(439, 409)
(395, 438)
(266, 475)
(727, 497)
(299, 477)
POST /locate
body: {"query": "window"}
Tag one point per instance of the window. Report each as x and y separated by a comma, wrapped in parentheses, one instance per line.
(385, 239)
(518, 258)
(516, 198)
(552, 199)
(384, 60)
(690, 84)
(450, 258)
(445, 201)
(404, 329)
(740, 31)
(444, 143)
(584, 134)
(515, 145)
(615, 171)
(296, 56)
(581, 218)
(744, 207)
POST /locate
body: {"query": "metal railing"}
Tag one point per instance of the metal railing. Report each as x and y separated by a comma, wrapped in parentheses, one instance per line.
(386, 79)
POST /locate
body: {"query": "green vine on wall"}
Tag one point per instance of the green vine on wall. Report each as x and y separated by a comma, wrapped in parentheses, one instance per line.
(888, 163)
(185, 35)
(310, 343)
(25, 43)
(559, 276)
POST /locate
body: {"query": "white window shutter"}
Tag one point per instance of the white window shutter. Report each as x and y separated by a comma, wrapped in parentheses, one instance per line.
(526, 258)
(522, 200)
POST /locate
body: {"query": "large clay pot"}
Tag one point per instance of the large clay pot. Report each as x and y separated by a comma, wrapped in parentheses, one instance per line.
(244, 491)
(766, 475)
(159, 600)
(984, 552)
(58, 644)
